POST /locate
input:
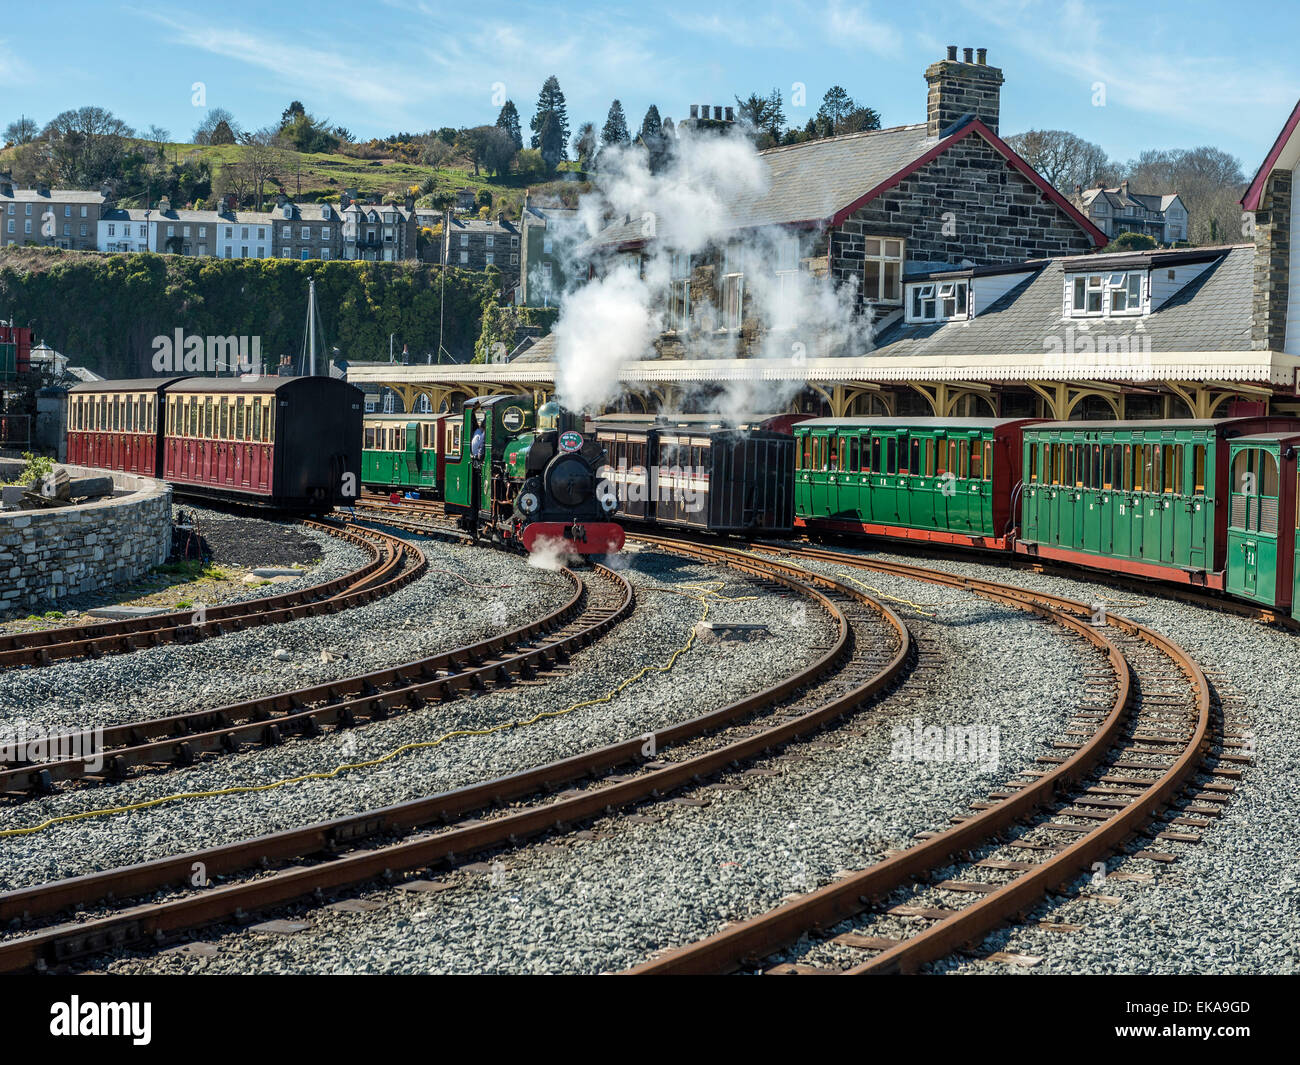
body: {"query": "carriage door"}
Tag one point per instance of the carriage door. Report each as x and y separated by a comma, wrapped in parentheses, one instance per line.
(822, 493)
(1252, 524)
(1197, 504)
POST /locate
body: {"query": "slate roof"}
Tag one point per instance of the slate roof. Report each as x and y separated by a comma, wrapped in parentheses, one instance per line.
(477, 225)
(1212, 312)
(541, 349)
(809, 182)
(53, 196)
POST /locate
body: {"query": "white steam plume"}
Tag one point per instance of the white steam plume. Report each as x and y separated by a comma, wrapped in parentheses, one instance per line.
(687, 209)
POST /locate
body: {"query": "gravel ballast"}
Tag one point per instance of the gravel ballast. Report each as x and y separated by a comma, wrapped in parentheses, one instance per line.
(583, 904)
(708, 676)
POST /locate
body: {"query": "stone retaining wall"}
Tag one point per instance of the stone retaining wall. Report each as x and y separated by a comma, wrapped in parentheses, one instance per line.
(49, 555)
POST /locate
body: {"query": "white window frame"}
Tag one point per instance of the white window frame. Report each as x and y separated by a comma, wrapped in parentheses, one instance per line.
(880, 289)
(1123, 291)
(679, 291)
(1117, 293)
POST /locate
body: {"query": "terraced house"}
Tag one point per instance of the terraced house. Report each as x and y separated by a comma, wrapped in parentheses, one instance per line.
(58, 218)
(476, 244)
(306, 231)
(378, 232)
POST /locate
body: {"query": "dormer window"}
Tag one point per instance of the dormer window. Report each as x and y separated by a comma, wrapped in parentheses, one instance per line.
(938, 301)
(1106, 294)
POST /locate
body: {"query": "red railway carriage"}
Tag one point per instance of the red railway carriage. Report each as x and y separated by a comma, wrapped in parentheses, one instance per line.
(113, 425)
(286, 442)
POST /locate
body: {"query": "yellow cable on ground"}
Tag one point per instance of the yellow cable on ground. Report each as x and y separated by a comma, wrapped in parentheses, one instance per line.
(885, 595)
(245, 789)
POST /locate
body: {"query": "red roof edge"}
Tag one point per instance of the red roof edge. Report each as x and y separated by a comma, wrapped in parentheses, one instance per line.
(1002, 148)
(1255, 190)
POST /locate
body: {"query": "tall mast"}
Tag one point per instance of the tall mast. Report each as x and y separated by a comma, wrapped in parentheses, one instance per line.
(311, 324)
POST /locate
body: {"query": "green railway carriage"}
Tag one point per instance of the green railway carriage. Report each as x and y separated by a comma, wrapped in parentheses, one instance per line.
(1263, 516)
(1147, 497)
(408, 451)
(943, 480)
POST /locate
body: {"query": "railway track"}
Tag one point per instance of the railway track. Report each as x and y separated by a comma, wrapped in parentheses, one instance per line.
(1119, 768)
(392, 564)
(870, 653)
(180, 740)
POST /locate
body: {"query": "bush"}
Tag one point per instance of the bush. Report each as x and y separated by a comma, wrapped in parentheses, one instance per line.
(124, 301)
(37, 467)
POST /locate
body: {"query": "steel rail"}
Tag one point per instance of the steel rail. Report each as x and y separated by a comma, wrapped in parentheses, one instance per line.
(156, 921)
(766, 933)
(178, 739)
(363, 585)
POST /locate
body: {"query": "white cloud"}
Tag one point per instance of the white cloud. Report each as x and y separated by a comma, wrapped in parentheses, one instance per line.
(1146, 75)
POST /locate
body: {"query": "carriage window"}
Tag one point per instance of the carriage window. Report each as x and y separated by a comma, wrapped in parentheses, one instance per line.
(1268, 480)
(369, 442)
(1033, 463)
(877, 462)
(1198, 463)
(891, 455)
(855, 455)
(129, 419)
(1178, 469)
(1241, 480)
(223, 422)
(1167, 459)
(206, 429)
(257, 420)
(268, 420)
(239, 419)
(976, 462)
(1139, 466)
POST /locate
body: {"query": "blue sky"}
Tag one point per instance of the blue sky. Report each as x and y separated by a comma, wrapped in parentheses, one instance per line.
(1174, 74)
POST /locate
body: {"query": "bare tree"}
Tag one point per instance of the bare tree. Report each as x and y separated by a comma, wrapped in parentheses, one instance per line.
(86, 145)
(21, 131)
(1208, 181)
(213, 119)
(264, 161)
(1064, 159)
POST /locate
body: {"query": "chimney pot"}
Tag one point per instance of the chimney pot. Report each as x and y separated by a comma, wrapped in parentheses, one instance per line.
(956, 91)
(968, 55)
(717, 114)
(695, 110)
(981, 56)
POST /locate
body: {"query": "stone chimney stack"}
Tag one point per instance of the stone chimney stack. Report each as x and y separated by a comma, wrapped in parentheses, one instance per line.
(959, 88)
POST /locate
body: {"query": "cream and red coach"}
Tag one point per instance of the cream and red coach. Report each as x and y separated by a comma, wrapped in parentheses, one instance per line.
(282, 442)
(113, 425)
